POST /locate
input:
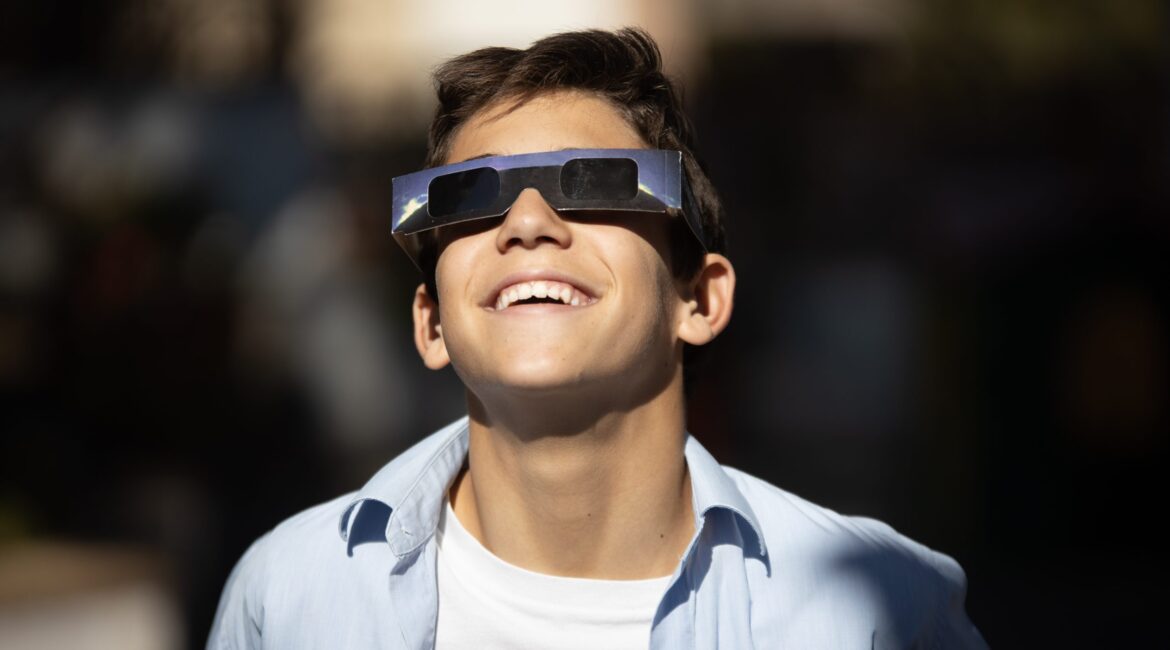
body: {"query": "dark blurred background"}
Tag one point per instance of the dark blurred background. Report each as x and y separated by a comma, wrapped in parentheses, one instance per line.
(949, 219)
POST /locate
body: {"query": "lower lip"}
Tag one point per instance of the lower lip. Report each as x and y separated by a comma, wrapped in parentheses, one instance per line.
(540, 308)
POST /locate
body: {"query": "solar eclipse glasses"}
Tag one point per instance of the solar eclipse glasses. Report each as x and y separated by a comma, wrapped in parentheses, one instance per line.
(617, 180)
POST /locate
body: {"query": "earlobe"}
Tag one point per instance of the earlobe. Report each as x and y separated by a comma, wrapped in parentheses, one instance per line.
(428, 332)
(711, 297)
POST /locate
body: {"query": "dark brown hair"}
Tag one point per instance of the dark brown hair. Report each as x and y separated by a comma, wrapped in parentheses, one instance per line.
(623, 67)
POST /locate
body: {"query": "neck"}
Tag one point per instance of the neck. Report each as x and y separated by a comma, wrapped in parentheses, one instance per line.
(606, 497)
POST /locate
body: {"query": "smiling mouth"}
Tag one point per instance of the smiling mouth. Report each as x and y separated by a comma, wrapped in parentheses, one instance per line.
(537, 292)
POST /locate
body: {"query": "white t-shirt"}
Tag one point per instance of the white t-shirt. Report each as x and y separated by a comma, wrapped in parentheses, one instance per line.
(486, 603)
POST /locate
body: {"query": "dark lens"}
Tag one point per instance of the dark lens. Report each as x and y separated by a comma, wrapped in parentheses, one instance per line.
(474, 189)
(587, 179)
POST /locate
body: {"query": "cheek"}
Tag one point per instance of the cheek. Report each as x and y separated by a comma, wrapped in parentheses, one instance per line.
(453, 268)
(452, 275)
(656, 296)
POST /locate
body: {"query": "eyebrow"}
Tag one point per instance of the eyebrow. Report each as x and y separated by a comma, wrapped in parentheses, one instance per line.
(492, 154)
(482, 155)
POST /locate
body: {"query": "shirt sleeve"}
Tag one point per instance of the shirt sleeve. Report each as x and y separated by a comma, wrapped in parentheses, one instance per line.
(951, 628)
(239, 619)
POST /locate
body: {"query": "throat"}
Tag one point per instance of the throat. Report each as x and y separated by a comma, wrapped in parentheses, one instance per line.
(573, 506)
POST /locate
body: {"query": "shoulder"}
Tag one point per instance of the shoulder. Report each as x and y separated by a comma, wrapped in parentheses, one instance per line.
(302, 539)
(860, 568)
(299, 580)
(260, 586)
(790, 523)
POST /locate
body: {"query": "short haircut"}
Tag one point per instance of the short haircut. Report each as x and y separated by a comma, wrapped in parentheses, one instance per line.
(622, 67)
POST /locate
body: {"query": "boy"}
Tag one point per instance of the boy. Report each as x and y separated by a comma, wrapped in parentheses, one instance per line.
(572, 251)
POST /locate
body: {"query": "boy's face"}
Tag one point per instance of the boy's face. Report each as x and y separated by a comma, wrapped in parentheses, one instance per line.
(621, 335)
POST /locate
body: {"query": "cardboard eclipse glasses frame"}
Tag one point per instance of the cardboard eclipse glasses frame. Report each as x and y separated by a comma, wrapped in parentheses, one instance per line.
(620, 180)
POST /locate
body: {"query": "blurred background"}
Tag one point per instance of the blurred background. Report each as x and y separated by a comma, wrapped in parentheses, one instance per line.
(949, 220)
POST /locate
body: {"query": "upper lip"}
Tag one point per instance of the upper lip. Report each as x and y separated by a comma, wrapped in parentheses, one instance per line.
(532, 275)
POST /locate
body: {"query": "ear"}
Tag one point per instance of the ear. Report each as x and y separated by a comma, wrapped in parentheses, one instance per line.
(708, 301)
(428, 332)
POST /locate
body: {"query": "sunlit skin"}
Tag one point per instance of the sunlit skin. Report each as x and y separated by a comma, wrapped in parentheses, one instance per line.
(576, 463)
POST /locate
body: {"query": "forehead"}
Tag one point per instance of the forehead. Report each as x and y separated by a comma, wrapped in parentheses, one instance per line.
(547, 122)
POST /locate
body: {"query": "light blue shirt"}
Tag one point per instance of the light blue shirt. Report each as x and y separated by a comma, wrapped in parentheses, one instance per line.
(765, 569)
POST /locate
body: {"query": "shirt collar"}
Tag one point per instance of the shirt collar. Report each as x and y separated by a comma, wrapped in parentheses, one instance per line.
(407, 494)
(712, 488)
(401, 503)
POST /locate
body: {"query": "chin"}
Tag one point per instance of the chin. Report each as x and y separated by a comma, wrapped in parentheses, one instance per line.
(535, 374)
(541, 376)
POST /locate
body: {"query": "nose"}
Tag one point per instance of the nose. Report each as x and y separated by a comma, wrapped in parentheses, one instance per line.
(531, 222)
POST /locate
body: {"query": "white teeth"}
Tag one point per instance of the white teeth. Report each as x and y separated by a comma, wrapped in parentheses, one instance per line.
(565, 293)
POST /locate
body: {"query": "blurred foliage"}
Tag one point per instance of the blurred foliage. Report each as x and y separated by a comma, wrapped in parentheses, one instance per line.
(1023, 42)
